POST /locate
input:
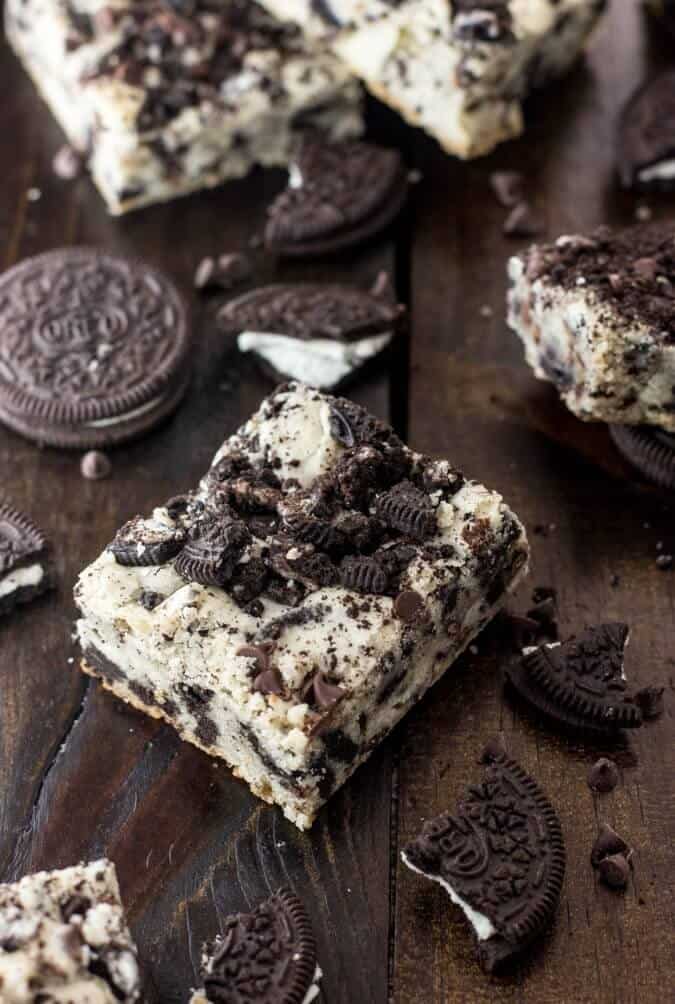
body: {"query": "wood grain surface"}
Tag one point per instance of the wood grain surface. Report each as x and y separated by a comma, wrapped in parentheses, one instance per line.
(83, 775)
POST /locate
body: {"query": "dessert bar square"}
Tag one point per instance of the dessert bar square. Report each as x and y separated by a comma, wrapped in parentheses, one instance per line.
(460, 69)
(63, 937)
(289, 612)
(595, 314)
(164, 102)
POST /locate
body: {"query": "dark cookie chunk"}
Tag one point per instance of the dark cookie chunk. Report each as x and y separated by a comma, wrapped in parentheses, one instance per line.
(311, 310)
(93, 349)
(363, 575)
(287, 592)
(408, 510)
(351, 425)
(339, 194)
(649, 450)
(21, 544)
(301, 563)
(305, 517)
(212, 551)
(361, 473)
(149, 599)
(481, 20)
(502, 853)
(363, 533)
(146, 543)
(603, 776)
(248, 580)
(440, 476)
(647, 136)
(224, 272)
(650, 701)
(253, 493)
(579, 682)
(267, 956)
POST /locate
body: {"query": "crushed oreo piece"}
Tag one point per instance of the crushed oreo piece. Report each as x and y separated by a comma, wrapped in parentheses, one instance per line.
(363, 575)
(406, 509)
(501, 854)
(140, 542)
(212, 550)
(580, 682)
(650, 701)
(606, 843)
(302, 563)
(603, 776)
(149, 599)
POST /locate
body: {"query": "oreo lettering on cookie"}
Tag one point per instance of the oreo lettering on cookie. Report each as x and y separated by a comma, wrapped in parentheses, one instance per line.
(339, 195)
(501, 856)
(94, 349)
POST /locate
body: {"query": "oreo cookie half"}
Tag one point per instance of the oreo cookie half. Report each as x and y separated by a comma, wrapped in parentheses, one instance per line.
(647, 136)
(500, 857)
(649, 450)
(24, 564)
(267, 956)
(317, 333)
(339, 195)
(93, 349)
(579, 683)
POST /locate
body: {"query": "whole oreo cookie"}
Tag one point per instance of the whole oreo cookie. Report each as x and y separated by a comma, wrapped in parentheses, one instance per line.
(647, 136)
(649, 450)
(501, 857)
(339, 195)
(24, 570)
(579, 683)
(267, 956)
(93, 348)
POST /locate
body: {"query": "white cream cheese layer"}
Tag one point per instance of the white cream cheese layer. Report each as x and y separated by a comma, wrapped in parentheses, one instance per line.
(319, 362)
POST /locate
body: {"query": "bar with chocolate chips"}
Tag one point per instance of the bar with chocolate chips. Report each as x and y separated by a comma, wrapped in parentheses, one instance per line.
(286, 614)
(460, 69)
(64, 937)
(167, 97)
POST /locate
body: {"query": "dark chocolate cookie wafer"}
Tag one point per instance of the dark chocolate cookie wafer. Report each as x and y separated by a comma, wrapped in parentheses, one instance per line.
(93, 349)
(24, 560)
(647, 136)
(339, 195)
(649, 450)
(501, 858)
(579, 683)
(267, 956)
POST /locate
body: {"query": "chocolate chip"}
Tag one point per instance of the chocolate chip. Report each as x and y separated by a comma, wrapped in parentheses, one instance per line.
(95, 466)
(259, 653)
(607, 843)
(325, 693)
(650, 701)
(508, 186)
(494, 748)
(409, 606)
(523, 221)
(603, 775)
(67, 164)
(269, 681)
(664, 562)
(614, 871)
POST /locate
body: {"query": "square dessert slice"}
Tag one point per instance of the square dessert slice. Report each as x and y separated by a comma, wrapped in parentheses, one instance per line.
(25, 566)
(460, 69)
(287, 614)
(63, 937)
(164, 99)
(596, 316)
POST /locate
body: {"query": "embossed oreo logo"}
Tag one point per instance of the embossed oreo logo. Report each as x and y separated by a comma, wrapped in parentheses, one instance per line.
(79, 329)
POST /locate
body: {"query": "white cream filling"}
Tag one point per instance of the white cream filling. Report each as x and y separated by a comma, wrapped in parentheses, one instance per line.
(319, 362)
(482, 925)
(664, 171)
(103, 423)
(31, 575)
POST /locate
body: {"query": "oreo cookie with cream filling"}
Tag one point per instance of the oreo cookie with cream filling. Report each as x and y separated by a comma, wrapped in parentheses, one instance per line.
(25, 571)
(320, 333)
(647, 136)
(94, 349)
(649, 450)
(267, 956)
(580, 683)
(338, 195)
(500, 857)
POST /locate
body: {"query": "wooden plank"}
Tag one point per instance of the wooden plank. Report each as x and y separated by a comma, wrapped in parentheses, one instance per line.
(82, 774)
(471, 398)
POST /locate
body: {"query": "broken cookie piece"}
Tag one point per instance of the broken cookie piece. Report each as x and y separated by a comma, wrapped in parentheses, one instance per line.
(290, 611)
(25, 567)
(500, 857)
(63, 937)
(579, 683)
(267, 956)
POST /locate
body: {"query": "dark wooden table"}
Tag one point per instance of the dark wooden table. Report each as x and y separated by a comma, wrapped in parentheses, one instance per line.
(82, 775)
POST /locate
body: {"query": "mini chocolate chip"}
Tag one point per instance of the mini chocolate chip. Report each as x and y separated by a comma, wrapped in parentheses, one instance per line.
(408, 606)
(650, 701)
(95, 466)
(269, 681)
(259, 653)
(614, 871)
(494, 748)
(607, 843)
(508, 186)
(603, 775)
(325, 693)
(523, 221)
(664, 562)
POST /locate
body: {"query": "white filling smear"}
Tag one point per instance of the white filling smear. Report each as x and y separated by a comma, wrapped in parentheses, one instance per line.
(481, 924)
(31, 575)
(664, 171)
(319, 362)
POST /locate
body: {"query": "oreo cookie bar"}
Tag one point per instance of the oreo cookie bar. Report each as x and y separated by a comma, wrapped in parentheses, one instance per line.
(63, 937)
(25, 567)
(267, 956)
(287, 614)
(163, 99)
(596, 316)
(460, 69)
